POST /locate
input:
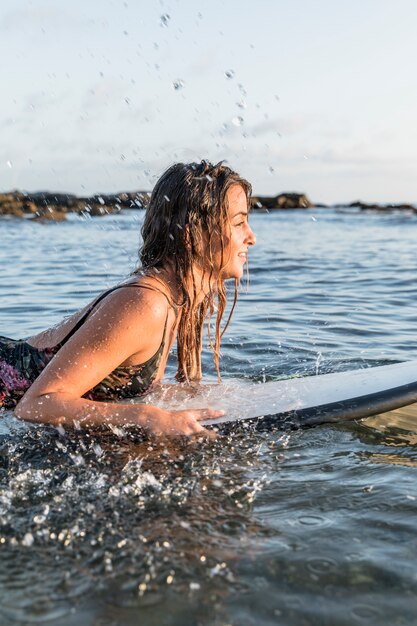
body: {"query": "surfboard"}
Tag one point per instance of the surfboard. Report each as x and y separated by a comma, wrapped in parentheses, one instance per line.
(298, 402)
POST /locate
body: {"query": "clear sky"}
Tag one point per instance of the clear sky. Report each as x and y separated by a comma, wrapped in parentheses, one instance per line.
(318, 96)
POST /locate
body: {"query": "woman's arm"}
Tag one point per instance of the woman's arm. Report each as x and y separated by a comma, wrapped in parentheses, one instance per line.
(127, 324)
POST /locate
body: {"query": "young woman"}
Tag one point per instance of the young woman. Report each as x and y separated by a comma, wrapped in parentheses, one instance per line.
(195, 236)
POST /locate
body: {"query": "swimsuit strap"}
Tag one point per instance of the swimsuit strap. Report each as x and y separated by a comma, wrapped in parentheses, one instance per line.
(100, 298)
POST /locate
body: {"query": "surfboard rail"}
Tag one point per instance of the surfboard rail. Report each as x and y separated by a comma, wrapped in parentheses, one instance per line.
(301, 401)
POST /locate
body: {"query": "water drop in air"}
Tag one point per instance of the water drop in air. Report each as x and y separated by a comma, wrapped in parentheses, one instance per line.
(229, 74)
(237, 121)
(178, 84)
(165, 19)
(9, 164)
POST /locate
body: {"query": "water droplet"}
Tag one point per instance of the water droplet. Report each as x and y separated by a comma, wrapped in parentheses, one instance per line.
(165, 19)
(271, 169)
(9, 164)
(178, 84)
(314, 218)
(100, 199)
(237, 121)
(28, 540)
(241, 104)
(185, 524)
(194, 586)
(319, 360)
(305, 156)
(127, 100)
(98, 449)
(229, 74)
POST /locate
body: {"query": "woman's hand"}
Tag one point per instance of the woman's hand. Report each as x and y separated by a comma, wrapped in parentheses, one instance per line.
(176, 423)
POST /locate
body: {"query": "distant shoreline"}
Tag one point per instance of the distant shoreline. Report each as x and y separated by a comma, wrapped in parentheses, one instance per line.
(46, 206)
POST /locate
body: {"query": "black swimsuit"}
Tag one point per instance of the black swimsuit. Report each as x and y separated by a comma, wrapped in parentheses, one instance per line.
(21, 364)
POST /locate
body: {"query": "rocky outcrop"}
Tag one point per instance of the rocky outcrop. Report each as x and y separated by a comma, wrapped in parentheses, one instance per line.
(46, 206)
(382, 208)
(281, 201)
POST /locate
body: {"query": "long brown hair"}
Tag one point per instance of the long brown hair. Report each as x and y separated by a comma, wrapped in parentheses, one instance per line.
(187, 216)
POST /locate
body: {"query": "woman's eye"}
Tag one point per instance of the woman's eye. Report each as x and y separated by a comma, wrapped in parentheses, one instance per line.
(240, 223)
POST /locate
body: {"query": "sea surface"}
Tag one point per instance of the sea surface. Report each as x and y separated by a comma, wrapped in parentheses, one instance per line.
(297, 528)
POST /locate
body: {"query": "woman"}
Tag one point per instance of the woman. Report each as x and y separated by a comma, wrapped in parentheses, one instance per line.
(195, 236)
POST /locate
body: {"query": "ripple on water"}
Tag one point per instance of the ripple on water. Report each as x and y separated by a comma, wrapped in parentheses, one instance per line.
(321, 565)
(365, 612)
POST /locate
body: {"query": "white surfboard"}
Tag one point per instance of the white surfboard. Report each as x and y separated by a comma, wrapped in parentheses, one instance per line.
(299, 401)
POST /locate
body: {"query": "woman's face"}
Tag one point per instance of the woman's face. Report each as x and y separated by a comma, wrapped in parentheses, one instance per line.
(238, 236)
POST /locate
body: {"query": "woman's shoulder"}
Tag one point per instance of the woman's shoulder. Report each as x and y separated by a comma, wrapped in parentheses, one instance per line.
(155, 286)
(145, 288)
(139, 298)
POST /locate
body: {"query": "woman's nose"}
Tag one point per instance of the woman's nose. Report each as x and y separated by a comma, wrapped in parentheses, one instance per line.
(251, 237)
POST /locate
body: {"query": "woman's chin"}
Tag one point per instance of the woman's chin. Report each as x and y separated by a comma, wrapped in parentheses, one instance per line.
(233, 275)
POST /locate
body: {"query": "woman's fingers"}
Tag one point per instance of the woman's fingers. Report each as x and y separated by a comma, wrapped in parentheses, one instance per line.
(187, 422)
(177, 423)
(205, 414)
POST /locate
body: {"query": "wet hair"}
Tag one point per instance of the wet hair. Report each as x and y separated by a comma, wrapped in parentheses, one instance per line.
(186, 224)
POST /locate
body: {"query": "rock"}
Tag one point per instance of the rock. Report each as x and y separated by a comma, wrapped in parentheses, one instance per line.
(294, 201)
(97, 210)
(12, 209)
(264, 202)
(29, 207)
(49, 214)
(383, 208)
(281, 201)
(47, 198)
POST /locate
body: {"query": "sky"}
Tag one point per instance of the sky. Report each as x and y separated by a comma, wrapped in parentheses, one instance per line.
(314, 96)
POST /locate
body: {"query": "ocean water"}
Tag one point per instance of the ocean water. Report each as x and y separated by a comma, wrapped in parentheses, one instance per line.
(305, 527)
